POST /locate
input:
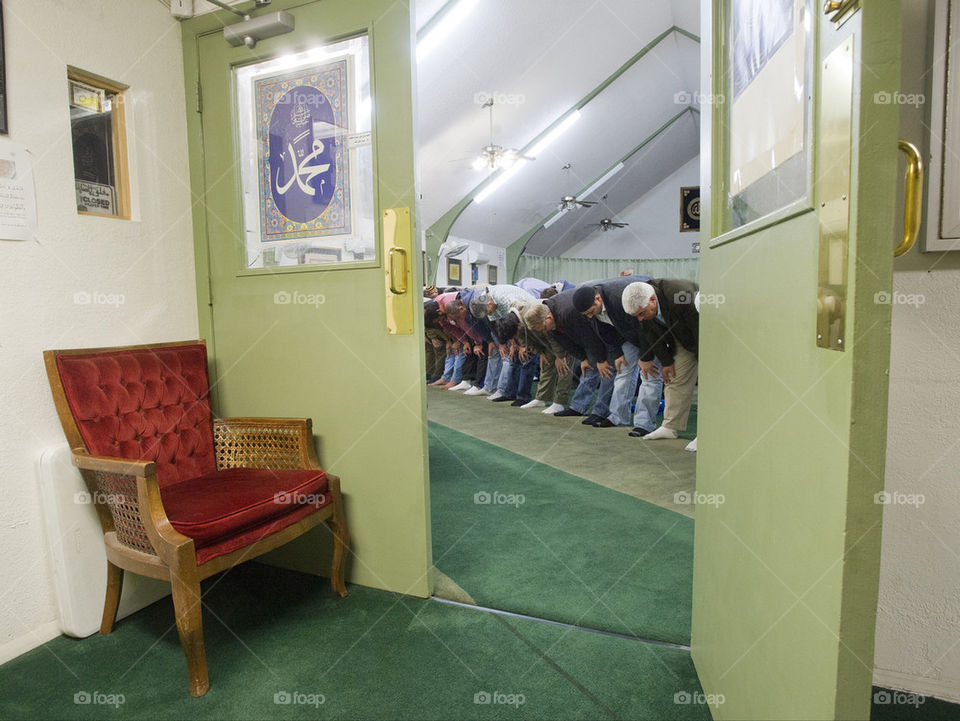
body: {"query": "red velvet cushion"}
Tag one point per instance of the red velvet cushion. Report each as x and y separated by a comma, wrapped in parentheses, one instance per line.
(229, 509)
(145, 404)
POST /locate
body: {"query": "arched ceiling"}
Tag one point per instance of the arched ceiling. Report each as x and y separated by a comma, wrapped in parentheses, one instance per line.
(540, 59)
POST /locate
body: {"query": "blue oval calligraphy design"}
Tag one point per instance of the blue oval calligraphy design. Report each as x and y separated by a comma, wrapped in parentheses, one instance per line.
(303, 168)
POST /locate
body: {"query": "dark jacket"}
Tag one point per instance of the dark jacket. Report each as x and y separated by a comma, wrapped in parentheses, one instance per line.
(580, 336)
(681, 319)
(611, 291)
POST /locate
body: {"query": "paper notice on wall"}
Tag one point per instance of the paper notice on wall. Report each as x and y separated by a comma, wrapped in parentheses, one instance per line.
(18, 200)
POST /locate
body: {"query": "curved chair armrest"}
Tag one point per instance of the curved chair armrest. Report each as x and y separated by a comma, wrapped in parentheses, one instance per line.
(108, 464)
(127, 497)
(274, 443)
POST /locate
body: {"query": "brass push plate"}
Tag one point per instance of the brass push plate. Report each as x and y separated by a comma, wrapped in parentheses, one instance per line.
(834, 131)
(398, 271)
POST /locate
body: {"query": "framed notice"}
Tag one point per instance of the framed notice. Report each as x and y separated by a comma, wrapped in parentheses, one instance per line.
(304, 123)
(453, 271)
(492, 274)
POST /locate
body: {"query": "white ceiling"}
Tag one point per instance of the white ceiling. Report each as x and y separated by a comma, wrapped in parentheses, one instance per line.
(541, 58)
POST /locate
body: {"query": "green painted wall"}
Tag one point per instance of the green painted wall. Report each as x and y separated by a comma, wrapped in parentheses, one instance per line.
(792, 436)
(333, 362)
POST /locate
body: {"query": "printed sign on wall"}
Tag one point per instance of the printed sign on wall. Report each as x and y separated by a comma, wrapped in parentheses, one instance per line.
(302, 131)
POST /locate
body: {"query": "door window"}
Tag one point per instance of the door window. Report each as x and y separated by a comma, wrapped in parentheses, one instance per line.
(305, 129)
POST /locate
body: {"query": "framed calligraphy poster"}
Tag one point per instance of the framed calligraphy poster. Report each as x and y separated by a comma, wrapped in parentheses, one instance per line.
(305, 127)
(304, 163)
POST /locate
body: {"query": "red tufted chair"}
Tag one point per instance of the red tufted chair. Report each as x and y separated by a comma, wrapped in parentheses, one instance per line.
(181, 496)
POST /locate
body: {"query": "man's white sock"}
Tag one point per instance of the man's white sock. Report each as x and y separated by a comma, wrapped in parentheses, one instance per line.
(660, 433)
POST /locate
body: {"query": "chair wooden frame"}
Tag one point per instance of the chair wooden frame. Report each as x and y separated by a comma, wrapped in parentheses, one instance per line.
(164, 553)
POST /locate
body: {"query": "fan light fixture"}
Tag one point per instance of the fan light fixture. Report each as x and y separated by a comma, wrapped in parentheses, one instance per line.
(494, 157)
(522, 160)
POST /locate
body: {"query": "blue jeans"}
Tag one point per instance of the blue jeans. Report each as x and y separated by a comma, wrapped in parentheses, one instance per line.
(494, 364)
(516, 378)
(453, 367)
(648, 400)
(590, 382)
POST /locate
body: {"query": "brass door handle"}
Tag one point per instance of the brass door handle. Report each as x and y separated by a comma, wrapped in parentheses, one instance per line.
(398, 271)
(912, 197)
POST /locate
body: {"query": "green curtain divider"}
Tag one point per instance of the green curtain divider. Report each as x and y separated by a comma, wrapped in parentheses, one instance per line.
(579, 270)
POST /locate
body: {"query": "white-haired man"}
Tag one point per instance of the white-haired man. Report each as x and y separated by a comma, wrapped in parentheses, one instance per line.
(670, 319)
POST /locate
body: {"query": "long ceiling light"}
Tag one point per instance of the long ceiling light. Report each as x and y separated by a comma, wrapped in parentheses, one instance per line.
(520, 163)
(501, 179)
(554, 218)
(606, 176)
(443, 27)
(555, 133)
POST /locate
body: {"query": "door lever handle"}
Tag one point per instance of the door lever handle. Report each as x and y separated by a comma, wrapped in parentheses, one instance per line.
(912, 197)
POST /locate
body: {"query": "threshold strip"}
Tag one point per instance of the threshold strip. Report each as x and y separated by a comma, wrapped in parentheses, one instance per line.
(511, 614)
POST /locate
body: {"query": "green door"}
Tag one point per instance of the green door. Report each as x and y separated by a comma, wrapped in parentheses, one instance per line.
(292, 296)
(798, 250)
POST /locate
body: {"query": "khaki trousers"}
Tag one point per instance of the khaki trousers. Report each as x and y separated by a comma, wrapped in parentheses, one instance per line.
(552, 388)
(678, 393)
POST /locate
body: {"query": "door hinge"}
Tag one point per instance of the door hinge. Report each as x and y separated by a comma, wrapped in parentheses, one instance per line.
(199, 97)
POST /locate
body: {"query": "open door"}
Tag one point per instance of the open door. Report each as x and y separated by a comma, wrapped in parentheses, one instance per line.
(302, 170)
(795, 330)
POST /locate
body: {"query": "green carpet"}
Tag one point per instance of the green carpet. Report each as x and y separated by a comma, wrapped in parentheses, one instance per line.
(521, 536)
(657, 472)
(274, 636)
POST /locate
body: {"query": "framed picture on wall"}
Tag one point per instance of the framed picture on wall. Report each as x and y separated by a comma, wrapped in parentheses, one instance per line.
(453, 271)
(690, 209)
(474, 273)
(492, 274)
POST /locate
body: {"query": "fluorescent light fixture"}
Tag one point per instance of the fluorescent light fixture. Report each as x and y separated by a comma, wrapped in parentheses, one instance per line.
(444, 26)
(503, 178)
(606, 176)
(554, 218)
(554, 134)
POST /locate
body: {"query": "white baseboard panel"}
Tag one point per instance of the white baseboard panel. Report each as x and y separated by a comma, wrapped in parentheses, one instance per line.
(29, 641)
(947, 690)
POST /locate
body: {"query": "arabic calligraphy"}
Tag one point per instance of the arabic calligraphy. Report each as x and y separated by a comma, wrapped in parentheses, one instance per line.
(303, 125)
(302, 173)
(303, 159)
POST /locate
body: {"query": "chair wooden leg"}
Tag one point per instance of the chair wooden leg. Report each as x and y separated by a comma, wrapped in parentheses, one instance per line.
(187, 607)
(341, 539)
(340, 544)
(112, 600)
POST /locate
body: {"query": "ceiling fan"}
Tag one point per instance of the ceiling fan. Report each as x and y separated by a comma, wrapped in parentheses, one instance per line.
(570, 202)
(493, 156)
(606, 224)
